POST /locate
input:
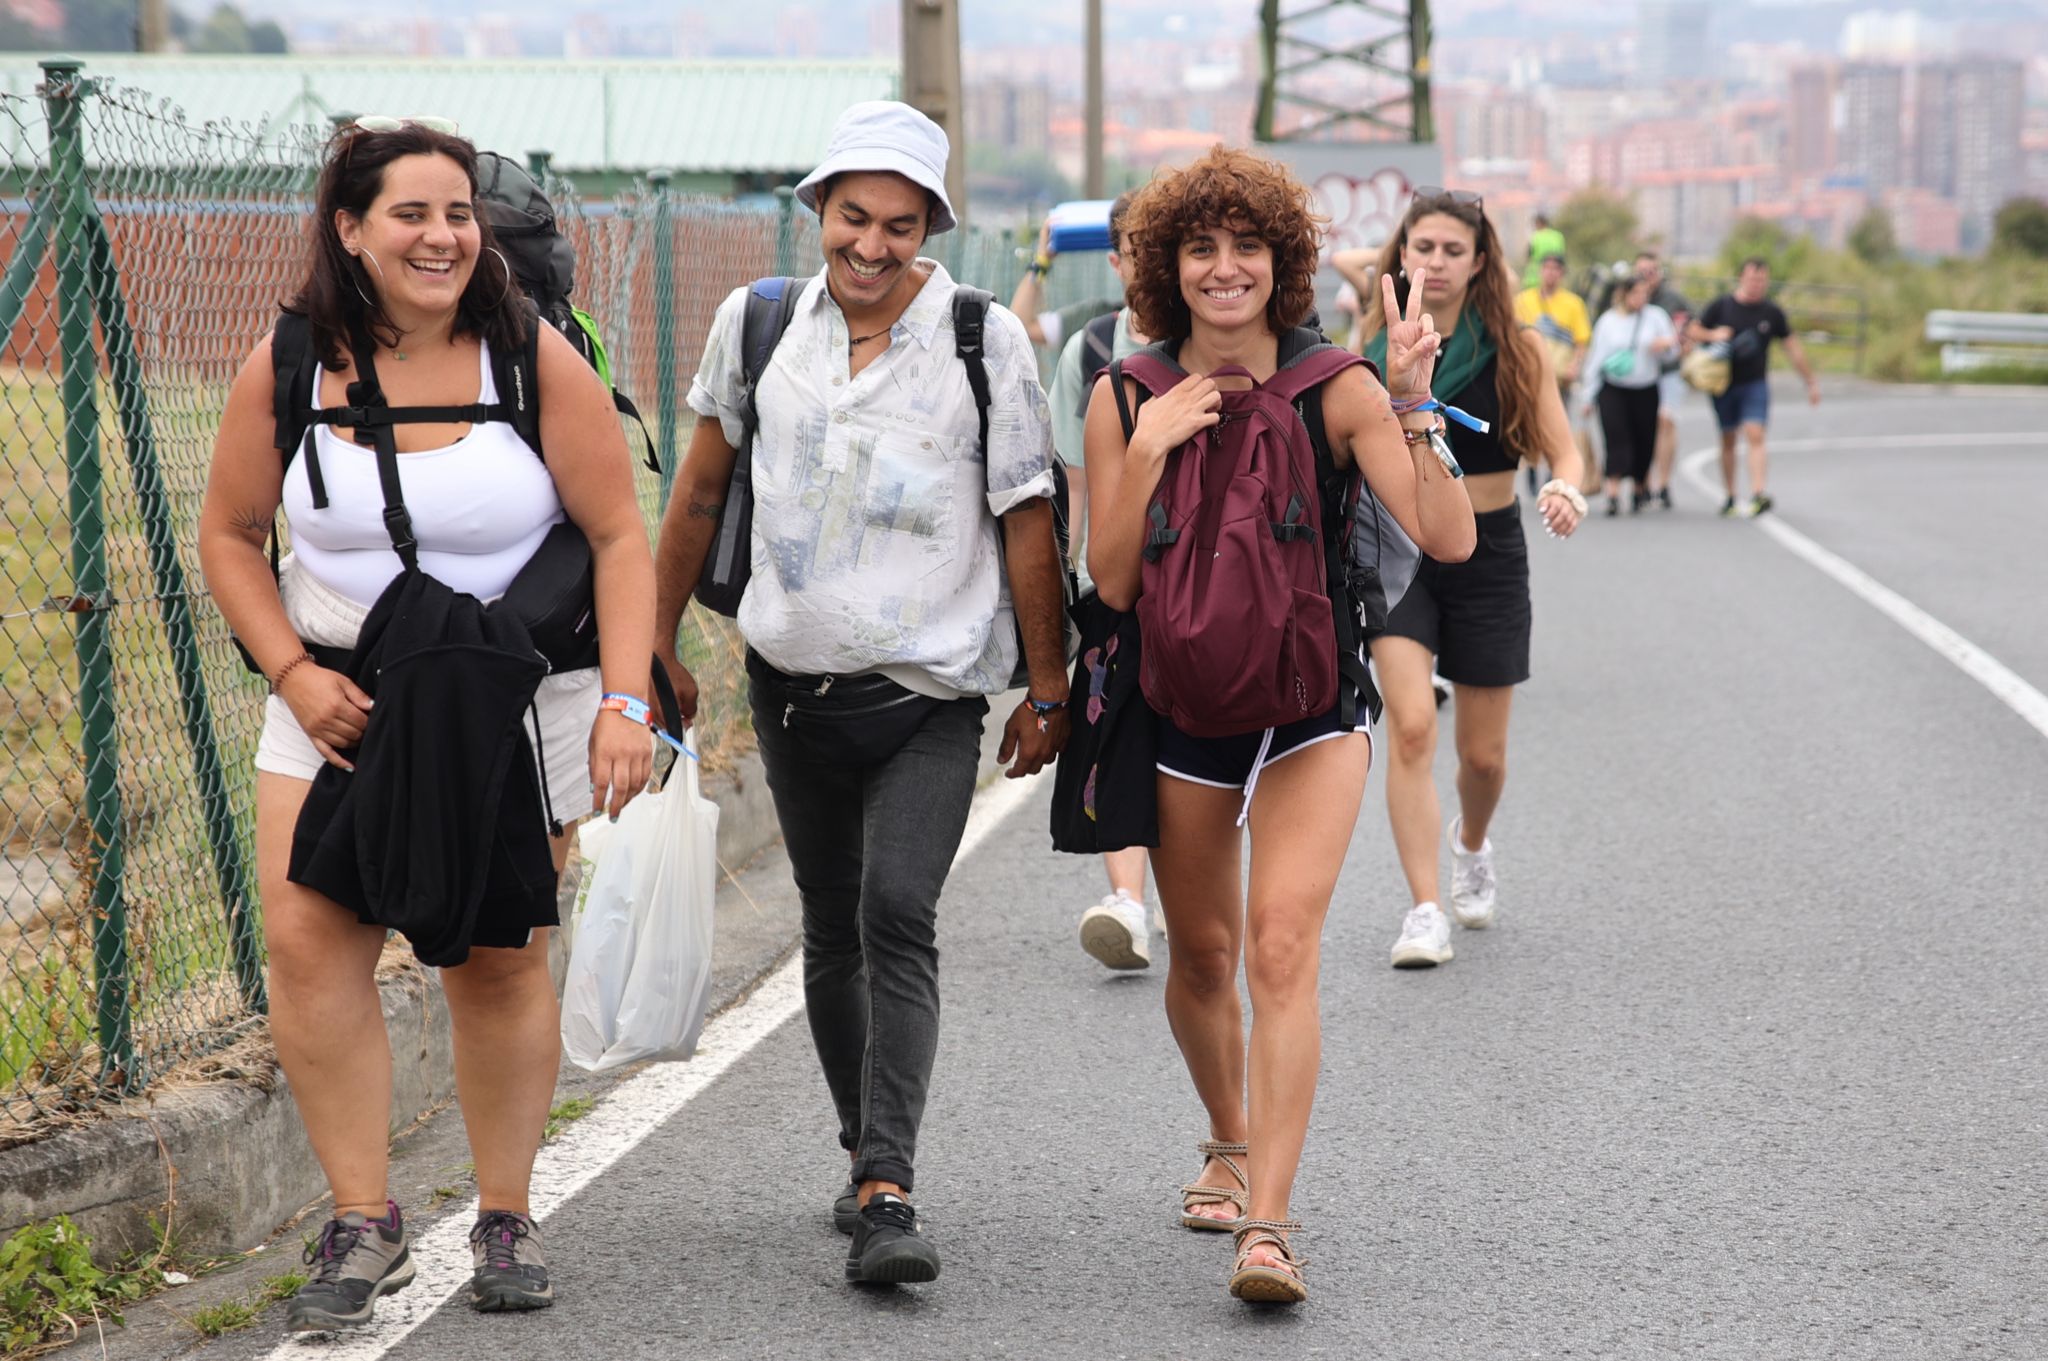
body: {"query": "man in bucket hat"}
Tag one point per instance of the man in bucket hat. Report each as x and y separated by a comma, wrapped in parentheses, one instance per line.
(877, 620)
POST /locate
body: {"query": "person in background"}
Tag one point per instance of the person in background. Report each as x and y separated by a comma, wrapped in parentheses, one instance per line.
(1471, 618)
(1670, 387)
(1052, 330)
(1559, 316)
(1747, 321)
(1115, 930)
(1625, 363)
(1544, 241)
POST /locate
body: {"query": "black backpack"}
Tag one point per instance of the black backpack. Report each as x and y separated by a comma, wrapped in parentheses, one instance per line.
(770, 304)
(523, 219)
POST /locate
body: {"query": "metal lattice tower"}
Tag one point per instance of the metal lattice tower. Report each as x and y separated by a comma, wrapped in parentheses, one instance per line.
(1297, 43)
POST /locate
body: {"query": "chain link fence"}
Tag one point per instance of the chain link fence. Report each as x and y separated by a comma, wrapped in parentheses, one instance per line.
(145, 257)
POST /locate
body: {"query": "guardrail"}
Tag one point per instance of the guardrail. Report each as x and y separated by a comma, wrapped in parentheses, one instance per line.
(1988, 340)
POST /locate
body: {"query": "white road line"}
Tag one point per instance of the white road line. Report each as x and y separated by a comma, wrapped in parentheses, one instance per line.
(1980, 666)
(621, 1120)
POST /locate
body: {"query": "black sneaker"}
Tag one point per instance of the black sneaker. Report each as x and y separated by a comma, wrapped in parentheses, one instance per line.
(1638, 500)
(1728, 508)
(846, 1209)
(354, 1260)
(887, 1248)
(511, 1273)
(1664, 499)
(1759, 503)
(1613, 506)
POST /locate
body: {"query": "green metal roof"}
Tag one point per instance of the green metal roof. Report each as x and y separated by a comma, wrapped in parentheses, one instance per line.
(724, 117)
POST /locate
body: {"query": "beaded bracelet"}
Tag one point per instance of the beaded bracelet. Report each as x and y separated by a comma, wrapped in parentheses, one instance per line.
(277, 681)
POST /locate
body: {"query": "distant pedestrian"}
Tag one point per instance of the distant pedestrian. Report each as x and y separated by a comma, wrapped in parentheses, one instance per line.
(1559, 317)
(1223, 260)
(1116, 930)
(1052, 329)
(876, 622)
(1473, 617)
(1623, 370)
(1670, 387)
(1747, 321)
(1544, 242)
(406, 303)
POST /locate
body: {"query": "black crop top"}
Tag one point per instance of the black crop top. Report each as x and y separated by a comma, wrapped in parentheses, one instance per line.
(1479, 453)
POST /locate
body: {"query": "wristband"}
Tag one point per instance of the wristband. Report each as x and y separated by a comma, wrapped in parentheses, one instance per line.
(1044, 708)
(636, 711)
(1042, 263)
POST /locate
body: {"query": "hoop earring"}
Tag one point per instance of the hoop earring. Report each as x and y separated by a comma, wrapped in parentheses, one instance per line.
(505, 291)
(366, 254)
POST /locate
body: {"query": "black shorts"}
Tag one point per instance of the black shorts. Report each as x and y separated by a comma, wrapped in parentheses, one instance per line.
(1229, 762)
(1474, 615)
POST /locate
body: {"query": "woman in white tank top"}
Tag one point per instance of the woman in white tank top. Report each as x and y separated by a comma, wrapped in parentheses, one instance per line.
(400, 254)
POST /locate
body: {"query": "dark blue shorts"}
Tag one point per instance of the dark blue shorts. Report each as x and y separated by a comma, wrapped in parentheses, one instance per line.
(1744, 404)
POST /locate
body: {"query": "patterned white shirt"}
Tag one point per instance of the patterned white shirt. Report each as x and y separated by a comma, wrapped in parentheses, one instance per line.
(875, 529)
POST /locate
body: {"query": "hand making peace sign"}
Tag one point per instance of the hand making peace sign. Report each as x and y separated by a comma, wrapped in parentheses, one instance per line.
(1412, 340)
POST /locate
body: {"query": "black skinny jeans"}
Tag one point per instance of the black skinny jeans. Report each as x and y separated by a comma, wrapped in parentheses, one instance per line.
(1628, 421)
(870, 846)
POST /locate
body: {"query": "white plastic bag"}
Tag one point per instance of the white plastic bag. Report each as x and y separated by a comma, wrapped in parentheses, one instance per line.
(640, 962)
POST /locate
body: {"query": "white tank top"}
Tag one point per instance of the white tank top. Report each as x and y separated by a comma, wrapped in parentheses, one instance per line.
(479, 507)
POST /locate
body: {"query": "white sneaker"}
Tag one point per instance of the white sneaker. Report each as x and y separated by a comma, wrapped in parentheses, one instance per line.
(1114, 932)
(1472, 883)
(1425, 938)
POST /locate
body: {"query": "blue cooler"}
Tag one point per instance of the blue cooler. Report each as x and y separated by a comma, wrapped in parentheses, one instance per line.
(1080, 226)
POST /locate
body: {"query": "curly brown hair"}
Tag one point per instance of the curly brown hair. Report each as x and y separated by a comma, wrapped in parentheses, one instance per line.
(1226, 188)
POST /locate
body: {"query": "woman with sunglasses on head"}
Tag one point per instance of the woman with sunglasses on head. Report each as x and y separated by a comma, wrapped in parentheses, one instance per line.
(404, 280)
(1224, 255)
(1471, 618)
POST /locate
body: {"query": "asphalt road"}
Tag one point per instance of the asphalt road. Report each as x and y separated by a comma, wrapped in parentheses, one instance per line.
(1751, 1067)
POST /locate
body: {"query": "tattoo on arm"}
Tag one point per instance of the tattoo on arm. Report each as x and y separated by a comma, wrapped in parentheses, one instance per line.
(250, 522)
(707, 510)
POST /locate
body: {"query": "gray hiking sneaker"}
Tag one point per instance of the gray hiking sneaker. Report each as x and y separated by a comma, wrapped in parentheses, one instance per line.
(354, 1260)
(511, 1273)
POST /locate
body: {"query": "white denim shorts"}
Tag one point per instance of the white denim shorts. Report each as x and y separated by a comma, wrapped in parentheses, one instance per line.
(567, 703)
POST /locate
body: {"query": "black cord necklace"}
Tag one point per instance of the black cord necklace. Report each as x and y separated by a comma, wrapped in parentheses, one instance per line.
(858, 341)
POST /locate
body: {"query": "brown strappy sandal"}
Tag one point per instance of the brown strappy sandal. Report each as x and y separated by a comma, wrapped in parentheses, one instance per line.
(1268, 1284)
(1191, 1196)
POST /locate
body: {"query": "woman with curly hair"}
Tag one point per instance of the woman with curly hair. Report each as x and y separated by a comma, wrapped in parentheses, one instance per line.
(1471, 617)
(1224, 260)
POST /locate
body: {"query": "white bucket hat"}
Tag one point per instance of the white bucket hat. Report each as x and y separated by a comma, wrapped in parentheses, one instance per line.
(883, 135)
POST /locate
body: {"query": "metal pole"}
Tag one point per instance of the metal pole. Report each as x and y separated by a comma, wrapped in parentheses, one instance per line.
(1269, 69)
(931, 83)
(27, 262)
(63, 95)
(1092, 117)
(664, 331)
(1422, 124)
(785, 230)
(138, 435)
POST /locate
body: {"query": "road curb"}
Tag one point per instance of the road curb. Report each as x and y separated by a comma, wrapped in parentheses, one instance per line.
(230, 1158)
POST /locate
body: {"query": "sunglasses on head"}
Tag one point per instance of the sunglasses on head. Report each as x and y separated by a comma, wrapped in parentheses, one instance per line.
(1463, 198)
(381, 122)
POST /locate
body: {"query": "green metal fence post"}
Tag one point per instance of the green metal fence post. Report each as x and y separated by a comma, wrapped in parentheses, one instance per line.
(664, 329)
(27, 262)
(537, 166)
(785, 229)
(64, 92)
(131, 403)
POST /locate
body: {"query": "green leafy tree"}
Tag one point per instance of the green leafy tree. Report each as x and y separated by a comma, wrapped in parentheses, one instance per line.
(225, 30)
(2021, 228)
(267, 38)
(1759, 237)
(1872, 239)
(1599, 227)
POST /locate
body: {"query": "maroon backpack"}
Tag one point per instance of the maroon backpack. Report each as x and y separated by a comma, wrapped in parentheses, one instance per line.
(1236, 608)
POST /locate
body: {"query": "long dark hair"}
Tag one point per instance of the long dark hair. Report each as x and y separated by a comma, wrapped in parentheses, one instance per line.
(338, 295)
(1518, 379)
